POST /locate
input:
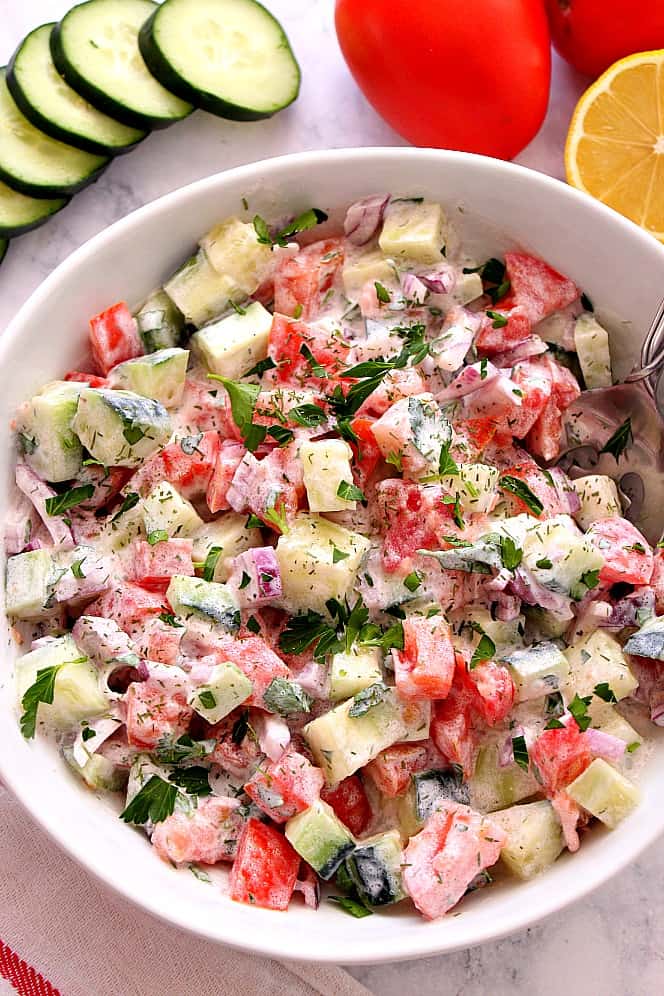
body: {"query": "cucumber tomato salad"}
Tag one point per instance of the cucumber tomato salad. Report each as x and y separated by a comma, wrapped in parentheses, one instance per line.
(300, 582)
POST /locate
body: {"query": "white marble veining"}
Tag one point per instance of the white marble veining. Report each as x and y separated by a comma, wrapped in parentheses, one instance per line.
(610, 944)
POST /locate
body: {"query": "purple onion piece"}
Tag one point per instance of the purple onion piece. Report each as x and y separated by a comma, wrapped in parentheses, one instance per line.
(363, 218)
(605, 745)
(631, 610)
(442, 280)
(657, 714)
(470, 379)
(273, 734)
(268, 575)
(530, 591)
(413, 288)
(566, 490)
(37, 491)
(533, 346)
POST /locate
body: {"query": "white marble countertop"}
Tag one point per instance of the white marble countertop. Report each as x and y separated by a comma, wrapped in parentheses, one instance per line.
(610, 944)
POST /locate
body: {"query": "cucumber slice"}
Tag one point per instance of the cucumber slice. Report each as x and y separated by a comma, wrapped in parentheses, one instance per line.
(375, 868)
(534, 838)
(29, 585)
(537, 671)
(229, 532)
(160, 323)
(605, 793)
(230, 57)
(159, 375)
(226, 688)
(119, 428)
(206, 600)
(165, 510)
(320, 838)
(51, 105)
(426, 791)
(97, 772)
(234, 344)
(199, 292)
(351, 672)
(36, 165)
(45, 433)
(20, 213)
(77, 692)
(95, 48)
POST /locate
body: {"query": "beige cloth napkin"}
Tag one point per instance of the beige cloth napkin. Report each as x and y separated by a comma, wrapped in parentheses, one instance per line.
(87, 941)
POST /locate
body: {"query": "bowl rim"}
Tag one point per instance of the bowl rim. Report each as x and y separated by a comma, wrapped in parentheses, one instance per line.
(429, 943)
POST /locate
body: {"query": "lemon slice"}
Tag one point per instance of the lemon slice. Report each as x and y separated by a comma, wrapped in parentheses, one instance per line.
(615, 143)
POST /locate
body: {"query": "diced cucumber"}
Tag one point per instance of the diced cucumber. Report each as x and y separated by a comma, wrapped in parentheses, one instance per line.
(427, 790)
(95, 49)
(534, 838)
(45, 431)
(159, 375)
(505, 635)
(119, 428)
(413, 231)
(320, 838)
(556, 329)
(230, 533)
(598, 659)
(306, 553)
(57, 110)
(235, 344)
(199, 292)
(122, 528)
(341, 744)
(559, 556)
(605, 793)
(592, 348)
(476, 485)
(543, 625)
(375, 868)
(206, 600)
(599, 499)
(605, 717)
(20, 214)
(31, 578)
(165, 509)
(468, 288)
(648, 641)
(369, 265)
(233, 249)
(226, 688)
(493, 787)
(537, 671)
(230, 57)
(353, 671)
(326, 463)
(36, 165)
(77, 691)
(97, 772)
(160, 322)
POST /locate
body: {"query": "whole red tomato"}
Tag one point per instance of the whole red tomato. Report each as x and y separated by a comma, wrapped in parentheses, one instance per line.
(592, 34)
(471, 75)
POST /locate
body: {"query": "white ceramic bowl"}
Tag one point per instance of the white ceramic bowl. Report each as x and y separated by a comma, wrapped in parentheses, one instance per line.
(495, 205)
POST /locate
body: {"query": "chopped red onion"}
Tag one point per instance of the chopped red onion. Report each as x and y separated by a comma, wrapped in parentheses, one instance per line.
(657, 714)
(506, 751)
(565, 490)
(631, 610)
(243, 479)
(101, 640)
(37, 491)
(471, 379)
(201, 669)
(508, 607)
(494, 399)
(568, 813)
(103, 728)
(442, 280)
(309, 886)
(530, 591)
(450, 348)
(273, 734)
(605, 745)
(314, 679)
(261, 566)
(592, 613)
(413, 288)
(533, 346)
(142, 671)
(363, 218)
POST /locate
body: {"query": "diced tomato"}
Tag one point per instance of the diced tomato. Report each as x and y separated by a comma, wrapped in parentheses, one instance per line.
(494, 691)
(349, 801)
(156, 708)
(452, 721)
(285, 787)
(365, 452)
(533, 379)
(157, 640)
(228, 460)
(274, 483)
(392, 769)
(265, 869)
(564, 385)
(202, 409)
(154, 565)
(114, 337)
(627, 553)
(187, 464)
(301, 280)
(92, 380)
(473, 435)
(544, 437)
(442, 860)
(536, 287)
(397, 384)
(540, 484)
(288, 342)
(127, 605)
(309, 885)
(517, 327)
(569, 813)
(107, 483)
(209, 833)
(657, 581)
(236, 753)
(412, 516)
(424, 669)
(560, 756)
(256, 660)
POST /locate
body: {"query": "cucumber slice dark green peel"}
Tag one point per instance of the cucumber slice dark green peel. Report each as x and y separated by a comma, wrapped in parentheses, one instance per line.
(252, 88)
(4, 246)
(128, 108)
(20, 214)
(34, 164)
(51, 105)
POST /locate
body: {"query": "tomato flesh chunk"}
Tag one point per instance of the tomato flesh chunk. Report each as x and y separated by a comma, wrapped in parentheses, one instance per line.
(265, 869)
(114, 337)
(349, 801)
(424, 669)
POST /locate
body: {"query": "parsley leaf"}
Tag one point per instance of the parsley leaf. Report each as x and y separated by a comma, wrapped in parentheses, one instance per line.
(307, 415)
(521, 490)
(130, 501)
(316, 368)
(367, 699)
(253, 625)
(68, 499)
(210, 565)
(303, 222)
(245, 580)
(157, 536)
(243, 399)
(391, 638)
(590, 578)
(338, 555)
(484, 650)
(350, 906)
(510, 553)
(349, 492)
(498, 321)
(262, 231)
(520, 751)
(605, 692)
(41, 690)
(154, 802)
(182, 750)
(544, 564)
(276, 516)
(286, 697)
(619, 441)
(259, 369)
(77, 568)
(579, 710)
(457, 513)
(281, 434)
(382, 293)
(170, 620)
(194, 780)
(207, 699)
(413, 581)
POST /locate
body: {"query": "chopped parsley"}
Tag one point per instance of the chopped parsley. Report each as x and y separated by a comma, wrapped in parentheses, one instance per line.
(170, 620)
(130, 501)
(511, 554)
(498, 321)
(413, 581)
(619, 441)
(484, 651)
(590, 578)
(153, 803)
(382, 293)
(521, 490)
(605, 692)
(308, 415)
(351, 906)
(183, 750)
(520, 752)
(286, 697)
(579, 710)
(207, 699)
(68, 499)
(77, 568)
(367, 699)
(349, 492)
(42, 690)
(210, 565)
(157, 536)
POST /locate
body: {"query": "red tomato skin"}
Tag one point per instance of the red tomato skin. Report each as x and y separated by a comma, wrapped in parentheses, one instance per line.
(560, 756)
(349, 801)
(154, 565)
(300, 280)
(424, 669)
(365, 452)
(627, 553)
(265, 869)
(293, 778)
(392, 769)
(114, 337)
(592, 34)
(91, 380)
(481, 101)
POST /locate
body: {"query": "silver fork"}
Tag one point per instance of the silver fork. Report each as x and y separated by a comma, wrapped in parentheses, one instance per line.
(593, 419)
